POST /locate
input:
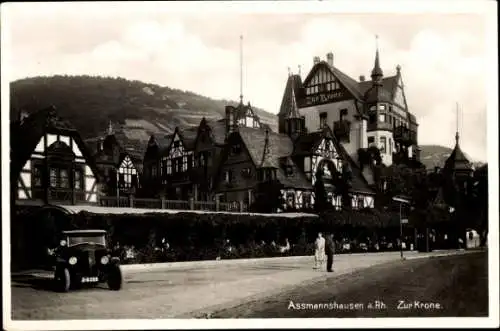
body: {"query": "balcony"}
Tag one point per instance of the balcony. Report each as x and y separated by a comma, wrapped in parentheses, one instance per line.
(405, 136)
(342, 130)
(375, 126)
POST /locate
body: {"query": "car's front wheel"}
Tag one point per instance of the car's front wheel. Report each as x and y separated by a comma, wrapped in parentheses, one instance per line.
(114, 278)
(62, 279)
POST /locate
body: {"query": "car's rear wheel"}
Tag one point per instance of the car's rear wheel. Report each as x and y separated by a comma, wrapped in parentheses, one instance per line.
(114, 278)
(62, 279)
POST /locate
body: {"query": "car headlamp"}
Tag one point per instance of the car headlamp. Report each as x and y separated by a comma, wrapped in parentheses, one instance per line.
(104, 259)
(72, 260)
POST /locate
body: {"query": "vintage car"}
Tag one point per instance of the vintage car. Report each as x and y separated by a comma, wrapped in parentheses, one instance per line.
(83, 258)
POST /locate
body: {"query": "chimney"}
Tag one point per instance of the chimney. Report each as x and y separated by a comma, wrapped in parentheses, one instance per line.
(316, 60)
(329, 58)
(362, 78)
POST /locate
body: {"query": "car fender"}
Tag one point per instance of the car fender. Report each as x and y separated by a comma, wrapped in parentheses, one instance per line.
(114, 260)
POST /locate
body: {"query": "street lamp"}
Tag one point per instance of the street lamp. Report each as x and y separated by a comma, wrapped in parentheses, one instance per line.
(401, 201)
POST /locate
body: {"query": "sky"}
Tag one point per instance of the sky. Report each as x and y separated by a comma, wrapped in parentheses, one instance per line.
(443, 54)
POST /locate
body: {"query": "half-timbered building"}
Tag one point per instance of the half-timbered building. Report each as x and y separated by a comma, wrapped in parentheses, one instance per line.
(50, 163)
(293, 157)
(119, 163)
(361, 113)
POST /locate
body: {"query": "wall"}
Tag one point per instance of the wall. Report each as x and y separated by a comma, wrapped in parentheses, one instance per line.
(387, 156)
(332, 110)
(240, 184)
(89, 177)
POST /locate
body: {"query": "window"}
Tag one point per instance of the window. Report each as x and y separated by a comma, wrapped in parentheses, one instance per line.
(371, 140)
(169, 166)
(383, 144)
(64, 178)
(177, 143)
(189, 162)
(228, 176)
(126, 171)
(381, 107)
(53, 177)
(381, 118)
(289, 171)
(37, 176)
(78, 180)
(360, 202)
(343, 113)
(246, 172)
(134, 181)
(290, 199)
(390, 146)
(306, 199)
(372, 118)
(154, 171)
(235, 149)
(322, 120)
(164, 167)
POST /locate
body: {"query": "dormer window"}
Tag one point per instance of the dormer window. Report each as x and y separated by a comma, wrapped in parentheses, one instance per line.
(235, 149)
(176, 143)
(246, 172)
(289, 170)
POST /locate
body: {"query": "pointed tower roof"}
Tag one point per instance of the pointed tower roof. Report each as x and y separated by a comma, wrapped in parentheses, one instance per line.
(294, 110)
(289, 107)
(457, 161)
(377, 72)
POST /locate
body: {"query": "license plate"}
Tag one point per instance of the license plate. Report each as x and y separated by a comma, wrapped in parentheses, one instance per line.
(90, 279)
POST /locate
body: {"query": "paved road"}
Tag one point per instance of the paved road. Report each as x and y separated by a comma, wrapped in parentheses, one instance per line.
(177, 292)
(394, 289)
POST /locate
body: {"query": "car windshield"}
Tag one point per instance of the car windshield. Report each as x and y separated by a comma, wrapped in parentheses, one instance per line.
(86, 239)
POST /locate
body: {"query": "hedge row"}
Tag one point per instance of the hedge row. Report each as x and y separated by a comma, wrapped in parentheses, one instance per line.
(198, 236)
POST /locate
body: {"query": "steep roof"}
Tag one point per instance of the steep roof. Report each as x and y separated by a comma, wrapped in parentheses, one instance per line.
(218, 131)
(292, 90)
(280, 146)
(188, 136)
(457, 161)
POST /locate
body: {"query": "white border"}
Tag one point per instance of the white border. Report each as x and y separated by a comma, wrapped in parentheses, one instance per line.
(487, 8)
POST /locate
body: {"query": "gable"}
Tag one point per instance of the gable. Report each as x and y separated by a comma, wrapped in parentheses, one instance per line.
(399, 97)
(176, 147)
(323, 86)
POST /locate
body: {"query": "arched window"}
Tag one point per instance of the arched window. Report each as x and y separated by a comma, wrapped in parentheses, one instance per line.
(127, 174)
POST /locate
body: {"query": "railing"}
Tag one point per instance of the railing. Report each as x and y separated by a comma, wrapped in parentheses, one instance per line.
(114, 202)
(132, 202)
(205, 205)
(62, 194)
(147, 203)
(405, 135)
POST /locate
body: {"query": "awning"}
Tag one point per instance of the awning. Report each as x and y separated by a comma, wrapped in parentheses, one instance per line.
(75, 209)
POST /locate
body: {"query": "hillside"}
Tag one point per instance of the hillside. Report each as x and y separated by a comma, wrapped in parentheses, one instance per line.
(140, 109)
(435, 156)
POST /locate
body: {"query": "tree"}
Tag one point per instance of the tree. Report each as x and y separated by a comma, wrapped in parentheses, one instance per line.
(268, 197)
(320, 194)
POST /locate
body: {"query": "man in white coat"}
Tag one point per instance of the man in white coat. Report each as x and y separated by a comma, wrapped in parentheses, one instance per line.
(319, 252)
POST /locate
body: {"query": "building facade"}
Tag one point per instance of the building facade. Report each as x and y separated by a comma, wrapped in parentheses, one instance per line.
(119, 164)
(361, 113)
(50, 163)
